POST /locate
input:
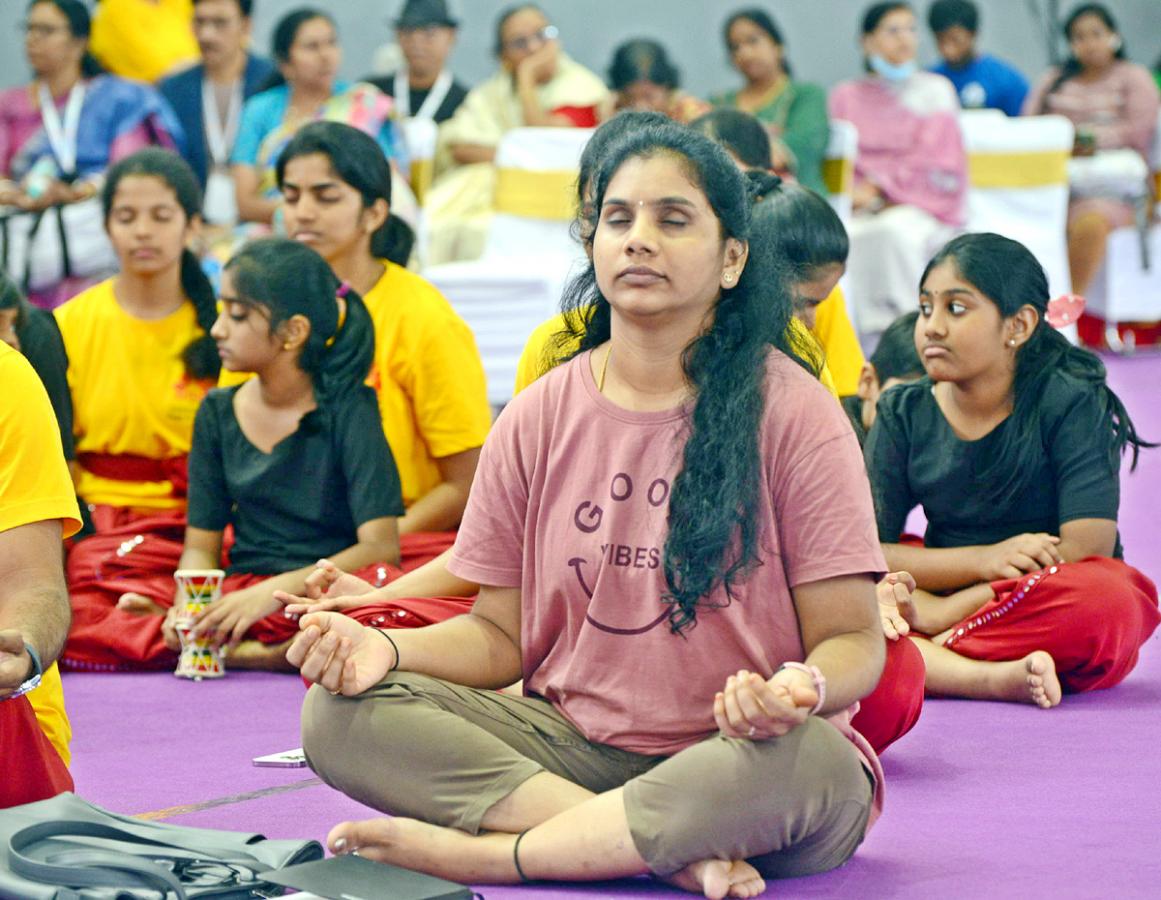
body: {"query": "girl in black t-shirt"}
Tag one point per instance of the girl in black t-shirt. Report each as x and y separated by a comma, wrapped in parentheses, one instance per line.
(1011, 445)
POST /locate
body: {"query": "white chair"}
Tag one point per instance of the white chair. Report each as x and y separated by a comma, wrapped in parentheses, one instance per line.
(838, 168)
(530, 252)
(1018, 184)
(420, 137)
(1127, 288)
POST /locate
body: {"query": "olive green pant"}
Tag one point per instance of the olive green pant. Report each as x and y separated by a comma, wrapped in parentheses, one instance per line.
(420, 747)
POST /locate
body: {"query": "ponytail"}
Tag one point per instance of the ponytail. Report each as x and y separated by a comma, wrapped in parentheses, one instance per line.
(201, 354)
(346, 359)
(393, 241)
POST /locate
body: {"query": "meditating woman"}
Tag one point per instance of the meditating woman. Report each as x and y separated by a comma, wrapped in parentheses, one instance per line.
(1011, 445)
(644, 79)
(61, 132)
(911, 169)
(653, 728)
(306, 49)
(336, 190)
(537, 85)
(1113, 103)
(794, 112)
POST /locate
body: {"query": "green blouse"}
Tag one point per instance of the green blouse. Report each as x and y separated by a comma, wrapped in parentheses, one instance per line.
(798, 117)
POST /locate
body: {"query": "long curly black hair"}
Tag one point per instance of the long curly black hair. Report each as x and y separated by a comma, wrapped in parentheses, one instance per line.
(712, 520)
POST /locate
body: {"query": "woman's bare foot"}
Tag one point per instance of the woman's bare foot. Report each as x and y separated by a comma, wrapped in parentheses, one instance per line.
(718, 878)
(443, 852)
(140, 605)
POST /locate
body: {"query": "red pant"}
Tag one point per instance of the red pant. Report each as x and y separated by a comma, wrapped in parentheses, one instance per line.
(893, 708)
(31, 769)
(1092, 616)
(139, 553)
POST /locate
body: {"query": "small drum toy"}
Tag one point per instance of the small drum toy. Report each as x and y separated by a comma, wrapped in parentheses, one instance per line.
(197, 589)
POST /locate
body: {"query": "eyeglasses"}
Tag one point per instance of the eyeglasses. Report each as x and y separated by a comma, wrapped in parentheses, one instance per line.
(528, 42)
(39, 30)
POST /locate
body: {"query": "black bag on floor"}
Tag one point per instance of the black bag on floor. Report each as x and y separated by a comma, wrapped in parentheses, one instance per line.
(65, 848)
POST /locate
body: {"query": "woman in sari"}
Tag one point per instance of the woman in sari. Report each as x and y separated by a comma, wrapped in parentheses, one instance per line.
(60, 132)
(307, 51)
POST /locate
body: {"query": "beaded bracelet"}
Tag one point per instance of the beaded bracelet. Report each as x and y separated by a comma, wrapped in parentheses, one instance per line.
(816, 677)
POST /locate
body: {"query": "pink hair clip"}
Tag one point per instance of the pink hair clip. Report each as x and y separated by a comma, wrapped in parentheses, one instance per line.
(1065, 310)
(343, 290)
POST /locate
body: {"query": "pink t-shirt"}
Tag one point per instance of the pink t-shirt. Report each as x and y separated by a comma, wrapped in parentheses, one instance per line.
(570, 503)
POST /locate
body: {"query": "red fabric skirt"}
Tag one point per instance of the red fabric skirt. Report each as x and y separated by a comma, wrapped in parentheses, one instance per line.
(1092, 616)
(31, 769)
(422, 547)
(138, 553)
(893, 708)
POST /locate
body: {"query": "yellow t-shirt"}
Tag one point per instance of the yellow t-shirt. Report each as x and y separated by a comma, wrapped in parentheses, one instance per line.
(131, 393)
(427, 372)
(144, 39)
(844, 356)
(35, 487)
(542, 351)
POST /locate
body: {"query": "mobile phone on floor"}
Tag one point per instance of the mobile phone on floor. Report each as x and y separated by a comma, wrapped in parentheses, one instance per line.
(287, 759)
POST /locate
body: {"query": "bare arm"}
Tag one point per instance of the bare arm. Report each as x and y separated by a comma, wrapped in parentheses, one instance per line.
(442, 507)
(432, 579)
(34, 602)
(1081, 538)
(842, 636)
(942, 569)
(232, 616)
(466, 154)
(252, 206)
(480, 649)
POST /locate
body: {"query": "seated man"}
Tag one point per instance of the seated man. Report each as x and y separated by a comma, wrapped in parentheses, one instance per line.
(208, 98)
(981, 80)
(537, 85)
(423, 88)
(37, 507)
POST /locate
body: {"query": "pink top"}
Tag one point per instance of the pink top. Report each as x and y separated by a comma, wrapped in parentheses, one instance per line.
(570, 503)
(910, 145)
(1120, 106)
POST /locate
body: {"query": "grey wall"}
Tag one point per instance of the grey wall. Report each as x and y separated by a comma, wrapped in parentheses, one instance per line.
(820, 34)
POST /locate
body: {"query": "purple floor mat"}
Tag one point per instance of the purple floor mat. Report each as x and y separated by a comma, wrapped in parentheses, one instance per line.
(983, 799)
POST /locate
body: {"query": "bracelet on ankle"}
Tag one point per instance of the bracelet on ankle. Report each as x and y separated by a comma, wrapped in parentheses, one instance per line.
(394, 646)
(524, 879)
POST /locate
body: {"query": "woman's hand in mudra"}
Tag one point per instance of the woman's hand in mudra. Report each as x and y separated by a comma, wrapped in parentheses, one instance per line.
(327, 588)
(753, 708)
(340, 654)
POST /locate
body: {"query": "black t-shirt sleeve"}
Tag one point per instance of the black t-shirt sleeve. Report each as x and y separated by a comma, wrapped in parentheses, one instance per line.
(43, 347)
(373, 486)
(1078, 435)
(885, 453)
(210, 506)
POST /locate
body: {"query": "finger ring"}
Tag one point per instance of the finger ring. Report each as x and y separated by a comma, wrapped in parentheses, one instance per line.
(753, 731)
(335, 693)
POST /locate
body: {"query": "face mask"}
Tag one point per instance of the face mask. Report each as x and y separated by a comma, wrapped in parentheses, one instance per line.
(892, 72)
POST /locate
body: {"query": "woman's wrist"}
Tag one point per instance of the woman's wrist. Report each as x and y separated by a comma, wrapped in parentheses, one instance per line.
(816, 678)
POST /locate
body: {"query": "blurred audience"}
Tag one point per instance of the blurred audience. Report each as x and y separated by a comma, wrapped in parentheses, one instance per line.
(537, 84)
(911, 169)
(308, 55)
(894, 361)
(208, 99)
(424, 88)
(794, 112)
(981, 80)
(1113, 103)
(58, 135)
(644, 79)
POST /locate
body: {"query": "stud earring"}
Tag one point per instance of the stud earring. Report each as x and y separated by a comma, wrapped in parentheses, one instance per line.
(286, 346)
(729, 278)
(1011, 342)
